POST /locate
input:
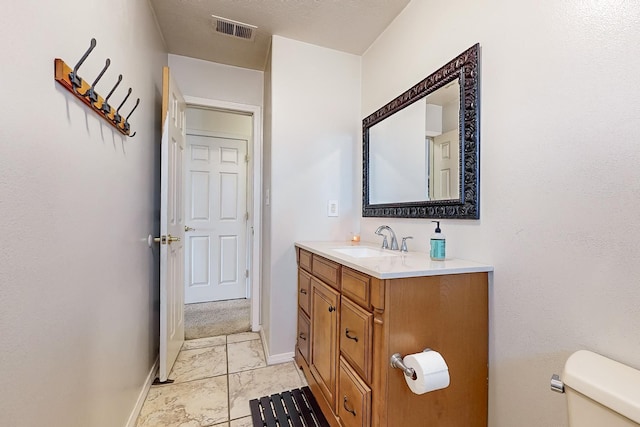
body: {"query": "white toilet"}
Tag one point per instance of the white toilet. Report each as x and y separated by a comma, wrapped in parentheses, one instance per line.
(600, 392)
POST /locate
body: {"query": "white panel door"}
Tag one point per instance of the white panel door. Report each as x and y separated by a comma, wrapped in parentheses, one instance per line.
(171, 225)
(446, 166)
(216, 187)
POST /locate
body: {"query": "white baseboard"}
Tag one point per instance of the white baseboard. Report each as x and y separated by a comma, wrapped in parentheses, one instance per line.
(143, 395)
(274, 359)
(280, 358)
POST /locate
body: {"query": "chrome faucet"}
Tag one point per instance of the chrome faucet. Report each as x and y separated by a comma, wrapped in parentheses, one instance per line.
(385, 244)
(403, 246)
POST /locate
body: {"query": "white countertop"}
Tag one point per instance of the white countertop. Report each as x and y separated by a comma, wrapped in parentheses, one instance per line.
(392, 264)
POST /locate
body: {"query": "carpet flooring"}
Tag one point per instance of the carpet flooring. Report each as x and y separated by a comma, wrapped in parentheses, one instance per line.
(211, 319)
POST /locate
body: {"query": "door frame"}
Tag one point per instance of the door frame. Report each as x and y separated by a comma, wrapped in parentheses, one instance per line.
(254, 186)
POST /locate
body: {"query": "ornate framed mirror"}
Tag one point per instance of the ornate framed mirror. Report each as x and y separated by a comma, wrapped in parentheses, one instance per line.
(421, 151)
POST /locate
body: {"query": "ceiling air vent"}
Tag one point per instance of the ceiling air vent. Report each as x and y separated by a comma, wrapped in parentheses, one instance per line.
(234, 28)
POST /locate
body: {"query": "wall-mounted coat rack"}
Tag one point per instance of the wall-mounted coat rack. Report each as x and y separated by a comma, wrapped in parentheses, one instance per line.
(86, 92)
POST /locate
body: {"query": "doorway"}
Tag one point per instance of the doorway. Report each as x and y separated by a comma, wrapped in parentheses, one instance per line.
(222, 217)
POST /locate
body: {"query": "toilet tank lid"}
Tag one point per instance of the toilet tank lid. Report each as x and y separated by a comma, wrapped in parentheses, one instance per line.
(606, 381)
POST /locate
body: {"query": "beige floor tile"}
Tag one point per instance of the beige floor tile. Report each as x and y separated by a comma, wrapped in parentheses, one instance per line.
(244, 336)
(242, 422)
(193, 404)
(204, 342)
(224, 425)
(247, 385)
(199, 363)
(245, 355)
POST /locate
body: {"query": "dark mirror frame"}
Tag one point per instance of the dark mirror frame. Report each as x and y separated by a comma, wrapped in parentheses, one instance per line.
(465, 67)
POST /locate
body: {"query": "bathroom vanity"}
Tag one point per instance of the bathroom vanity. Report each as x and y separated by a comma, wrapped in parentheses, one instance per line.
(358, 305)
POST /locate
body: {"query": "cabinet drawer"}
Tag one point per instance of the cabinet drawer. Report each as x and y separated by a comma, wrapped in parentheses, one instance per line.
(356, 286)
(304, 326)
(304, 258)
(304, 290)
(354, 398)
(326, 270)
(356, 332)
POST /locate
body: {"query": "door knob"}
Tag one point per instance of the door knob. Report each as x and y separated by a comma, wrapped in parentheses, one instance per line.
(187, 228)
(163, 240)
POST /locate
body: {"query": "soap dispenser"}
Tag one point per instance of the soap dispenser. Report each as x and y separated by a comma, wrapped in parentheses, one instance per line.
(437, 244)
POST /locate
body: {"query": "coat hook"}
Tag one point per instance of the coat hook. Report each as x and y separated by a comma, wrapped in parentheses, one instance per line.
(106, 108)
(134, 109)
(117, 117)
(91, 93)
(127, 127)
(73, 75)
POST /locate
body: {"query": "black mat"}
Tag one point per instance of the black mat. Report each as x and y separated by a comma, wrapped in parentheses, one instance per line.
(295, 408)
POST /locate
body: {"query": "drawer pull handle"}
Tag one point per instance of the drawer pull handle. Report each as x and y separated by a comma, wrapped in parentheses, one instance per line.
(344, 404)
(302, 337)
(331, 309)
(346, 333)
(303, 291)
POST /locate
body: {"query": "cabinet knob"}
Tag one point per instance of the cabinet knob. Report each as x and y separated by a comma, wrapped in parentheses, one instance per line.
(303, 291)
(331, 309)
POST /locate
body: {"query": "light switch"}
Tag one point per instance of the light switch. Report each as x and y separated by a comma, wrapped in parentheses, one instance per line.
(332, 208)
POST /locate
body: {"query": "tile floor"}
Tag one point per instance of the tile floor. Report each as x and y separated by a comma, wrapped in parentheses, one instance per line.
(214, 380)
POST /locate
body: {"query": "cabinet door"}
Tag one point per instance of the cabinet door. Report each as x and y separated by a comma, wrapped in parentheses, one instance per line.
(324, 338)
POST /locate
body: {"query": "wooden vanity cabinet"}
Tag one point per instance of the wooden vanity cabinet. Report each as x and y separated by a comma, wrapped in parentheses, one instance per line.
(304, 301)
(356, 337)
(357, 322)
(323, 362)
(304, 291)
(304, 332)
(354, 398)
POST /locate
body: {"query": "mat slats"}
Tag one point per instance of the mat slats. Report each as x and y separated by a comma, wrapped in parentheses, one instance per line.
(297, 408)
(281, 414)
(267, 412)
(322, 421)
(302, 403)
(256, 416)
(291, 409)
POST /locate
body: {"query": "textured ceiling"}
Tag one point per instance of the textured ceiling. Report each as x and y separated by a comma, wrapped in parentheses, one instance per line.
(346, 25)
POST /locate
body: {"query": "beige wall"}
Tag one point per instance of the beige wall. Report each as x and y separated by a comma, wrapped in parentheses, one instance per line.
(313, 119)
(265, 283)
(78, 283)
(560, 126)
(210, 80)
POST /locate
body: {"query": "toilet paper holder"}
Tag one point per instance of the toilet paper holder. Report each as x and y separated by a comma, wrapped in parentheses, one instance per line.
(396, 362)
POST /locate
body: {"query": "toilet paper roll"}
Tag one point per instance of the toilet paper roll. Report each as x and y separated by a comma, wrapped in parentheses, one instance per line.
(432, 372)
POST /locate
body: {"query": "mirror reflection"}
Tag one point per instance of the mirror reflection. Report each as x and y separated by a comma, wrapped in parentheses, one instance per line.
(414, 154)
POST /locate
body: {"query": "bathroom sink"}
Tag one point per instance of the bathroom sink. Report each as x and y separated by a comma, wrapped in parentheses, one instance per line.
(364, 252)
